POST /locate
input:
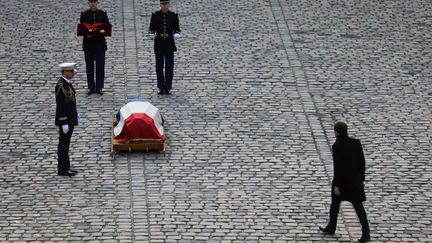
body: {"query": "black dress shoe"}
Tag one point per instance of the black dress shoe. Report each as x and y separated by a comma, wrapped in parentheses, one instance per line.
(167, 92)
(73, 171)
(326, 230)
(364, 238)
(90, 91)
(161, 92)
(70, 174)
(99, 91)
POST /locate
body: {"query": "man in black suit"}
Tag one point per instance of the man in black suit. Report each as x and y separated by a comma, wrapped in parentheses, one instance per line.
(66, 117)
(94, 47)
(348, 179)
(164, 28)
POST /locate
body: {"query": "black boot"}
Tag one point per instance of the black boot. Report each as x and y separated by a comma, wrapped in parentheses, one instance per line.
(364, 238)
(326, 230)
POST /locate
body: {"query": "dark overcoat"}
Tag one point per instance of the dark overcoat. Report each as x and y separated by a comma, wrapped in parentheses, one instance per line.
(349, 169)
(66, 112)
(92, 17)
(164, 25)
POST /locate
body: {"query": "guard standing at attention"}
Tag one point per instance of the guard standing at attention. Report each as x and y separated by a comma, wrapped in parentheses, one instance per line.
(165, 29)
(94, 48)
(66, 117)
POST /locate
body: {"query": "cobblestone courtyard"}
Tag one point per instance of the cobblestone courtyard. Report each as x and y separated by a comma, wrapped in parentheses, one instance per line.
(257, 86)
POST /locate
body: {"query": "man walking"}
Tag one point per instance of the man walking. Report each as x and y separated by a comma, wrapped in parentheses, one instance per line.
(94, 46)
(348, 179)
(164, 27)
(66, 117)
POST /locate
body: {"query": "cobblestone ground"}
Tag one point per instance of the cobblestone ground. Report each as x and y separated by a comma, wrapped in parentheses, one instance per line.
(257, 87)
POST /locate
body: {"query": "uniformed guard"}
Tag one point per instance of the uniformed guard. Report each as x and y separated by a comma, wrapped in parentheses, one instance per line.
(66, 117)
(94, 48)
(164, 28)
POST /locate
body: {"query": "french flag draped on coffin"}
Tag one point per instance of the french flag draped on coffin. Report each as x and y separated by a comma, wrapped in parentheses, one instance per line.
(138, 119)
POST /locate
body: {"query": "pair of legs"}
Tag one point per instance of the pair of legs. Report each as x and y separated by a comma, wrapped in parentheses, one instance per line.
(164, 59)
(63, 165)
(360, 211)
(97, 56)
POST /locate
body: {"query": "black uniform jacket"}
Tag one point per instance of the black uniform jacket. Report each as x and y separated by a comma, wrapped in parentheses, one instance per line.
(164, 25)
(91, 17)
(349, 169)
(66, 112)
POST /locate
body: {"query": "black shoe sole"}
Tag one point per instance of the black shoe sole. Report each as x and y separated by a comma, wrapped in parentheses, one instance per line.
(364, 239)
(325, 231)
(68, 174)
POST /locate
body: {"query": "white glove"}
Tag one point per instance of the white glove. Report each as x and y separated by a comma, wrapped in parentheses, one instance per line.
(65, 128)
(150, 36)
(78, 119)
(177, 36)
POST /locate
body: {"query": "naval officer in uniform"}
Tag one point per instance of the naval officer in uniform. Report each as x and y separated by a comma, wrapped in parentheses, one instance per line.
(165, 29)
(66, 117)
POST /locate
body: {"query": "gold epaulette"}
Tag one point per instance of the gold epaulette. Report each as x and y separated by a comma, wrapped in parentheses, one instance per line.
(68, 93)
(58, 89)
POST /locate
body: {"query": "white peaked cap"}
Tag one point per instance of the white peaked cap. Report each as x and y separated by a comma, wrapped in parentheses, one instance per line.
(68, 66)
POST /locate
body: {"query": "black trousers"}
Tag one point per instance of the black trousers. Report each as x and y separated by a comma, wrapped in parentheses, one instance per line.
(358, 207)
(93, 56)
(166, 59)
(63, 150)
